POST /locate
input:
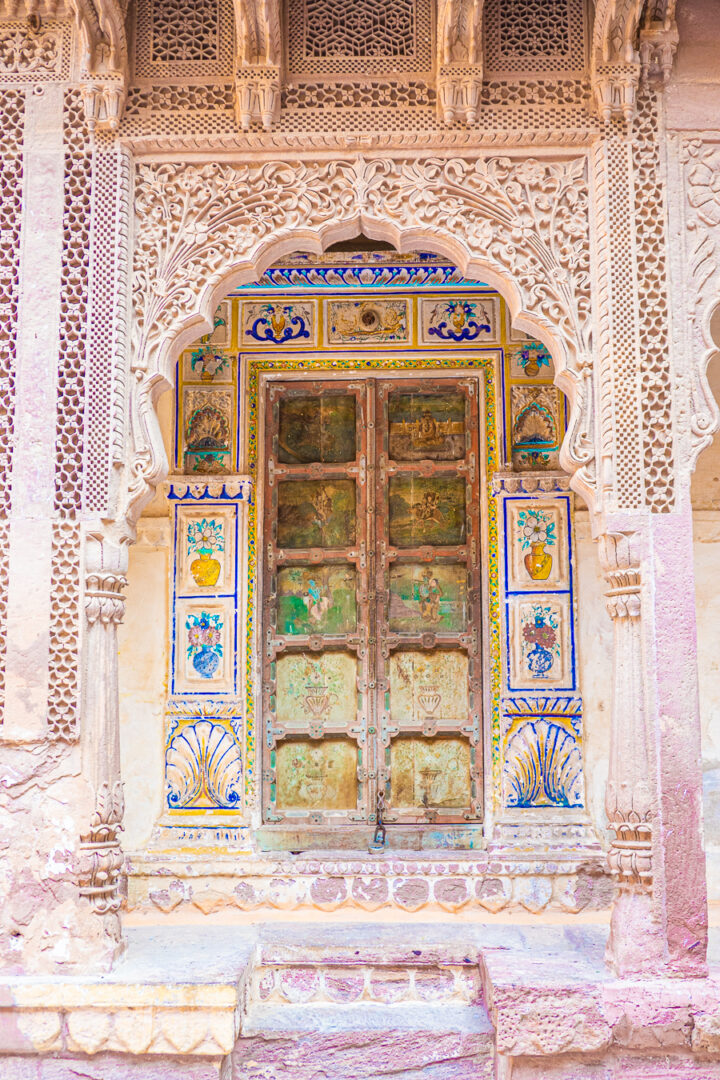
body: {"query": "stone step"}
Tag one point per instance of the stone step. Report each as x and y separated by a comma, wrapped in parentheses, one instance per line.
(347, 975)
(368, 1041)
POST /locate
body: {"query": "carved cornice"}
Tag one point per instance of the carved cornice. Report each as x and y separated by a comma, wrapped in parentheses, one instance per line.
(513, 483)
(197, 489)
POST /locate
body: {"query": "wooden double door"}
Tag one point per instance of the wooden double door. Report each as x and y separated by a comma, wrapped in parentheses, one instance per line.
(372, 694)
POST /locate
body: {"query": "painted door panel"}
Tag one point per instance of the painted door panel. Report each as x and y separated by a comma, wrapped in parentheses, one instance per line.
(371, 605)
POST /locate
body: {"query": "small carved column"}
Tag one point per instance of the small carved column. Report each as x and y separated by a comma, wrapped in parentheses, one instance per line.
(101, 857)
(654, 791)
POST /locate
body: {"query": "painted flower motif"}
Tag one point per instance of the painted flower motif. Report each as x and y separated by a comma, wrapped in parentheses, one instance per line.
(205, 536)
(535, 530)
(204, 633)
(536, 527)
(541, 635)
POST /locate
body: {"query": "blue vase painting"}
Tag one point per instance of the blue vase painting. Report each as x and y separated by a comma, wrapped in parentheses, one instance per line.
(204, 642)
(540, 641)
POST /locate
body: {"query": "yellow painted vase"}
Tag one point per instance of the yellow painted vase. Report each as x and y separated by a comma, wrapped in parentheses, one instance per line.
(205, 569)
(538, 562)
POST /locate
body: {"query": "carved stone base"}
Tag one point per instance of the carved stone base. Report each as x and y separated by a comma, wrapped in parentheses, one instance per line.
(569, 880)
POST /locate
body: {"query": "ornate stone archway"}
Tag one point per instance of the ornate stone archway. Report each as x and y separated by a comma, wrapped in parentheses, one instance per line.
(520, 224)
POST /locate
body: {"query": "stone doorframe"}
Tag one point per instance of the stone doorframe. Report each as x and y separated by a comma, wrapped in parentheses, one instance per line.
(522, 226)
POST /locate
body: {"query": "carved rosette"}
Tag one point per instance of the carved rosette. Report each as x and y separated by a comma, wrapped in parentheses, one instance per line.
(628, 800)
(101, 858)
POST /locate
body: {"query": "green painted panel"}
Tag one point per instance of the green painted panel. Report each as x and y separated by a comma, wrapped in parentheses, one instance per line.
(316, 513)
(427, 510)
(317, 429)
(316, 600)
(426, 426)
(428, 598)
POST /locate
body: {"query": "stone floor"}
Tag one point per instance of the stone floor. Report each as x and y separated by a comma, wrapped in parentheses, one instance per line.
(360, 1001)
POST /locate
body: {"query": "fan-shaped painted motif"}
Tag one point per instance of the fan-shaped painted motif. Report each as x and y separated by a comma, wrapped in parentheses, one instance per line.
(203, 768)
(543, 767)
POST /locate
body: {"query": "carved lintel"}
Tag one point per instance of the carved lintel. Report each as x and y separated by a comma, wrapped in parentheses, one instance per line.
(104, 601)
(101, 858)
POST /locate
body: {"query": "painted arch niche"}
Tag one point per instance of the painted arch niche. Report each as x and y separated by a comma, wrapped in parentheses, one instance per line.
(277, 394)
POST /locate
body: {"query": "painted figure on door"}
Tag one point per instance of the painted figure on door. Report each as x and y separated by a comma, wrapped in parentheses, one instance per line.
(426, 426)
(429, 596)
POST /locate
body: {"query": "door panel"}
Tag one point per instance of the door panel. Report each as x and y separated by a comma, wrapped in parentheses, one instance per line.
(371, 606)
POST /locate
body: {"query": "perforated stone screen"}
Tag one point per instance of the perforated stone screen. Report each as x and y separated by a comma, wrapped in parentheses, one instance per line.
(325, 37)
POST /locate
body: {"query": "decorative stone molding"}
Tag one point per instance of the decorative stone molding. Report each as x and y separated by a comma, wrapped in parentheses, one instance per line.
(102, 40)
(628, 799)
(700, 161)
(529, 483)
(24, 51)
(101, 858)
(615, 64)
(103, 597)
(569, 879)
(215, 487)
(623, 52)
(658, 45)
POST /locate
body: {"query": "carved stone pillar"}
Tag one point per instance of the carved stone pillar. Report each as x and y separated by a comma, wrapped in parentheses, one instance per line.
(101, 857)
(654, 791)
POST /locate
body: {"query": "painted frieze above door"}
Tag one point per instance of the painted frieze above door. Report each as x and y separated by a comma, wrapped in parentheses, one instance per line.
(372, 682)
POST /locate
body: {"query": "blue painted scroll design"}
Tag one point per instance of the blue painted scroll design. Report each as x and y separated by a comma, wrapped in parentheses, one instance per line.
(459, 320)
(279, 324)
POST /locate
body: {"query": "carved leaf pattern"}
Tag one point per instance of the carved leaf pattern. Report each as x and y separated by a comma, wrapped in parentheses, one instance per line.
(527, 219)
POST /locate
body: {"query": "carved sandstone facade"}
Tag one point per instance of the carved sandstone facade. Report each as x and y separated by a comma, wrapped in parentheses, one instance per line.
(170, 169)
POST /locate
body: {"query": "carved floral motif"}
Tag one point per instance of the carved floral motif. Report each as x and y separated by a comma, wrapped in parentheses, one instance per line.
(101, 858)
(22, 51)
